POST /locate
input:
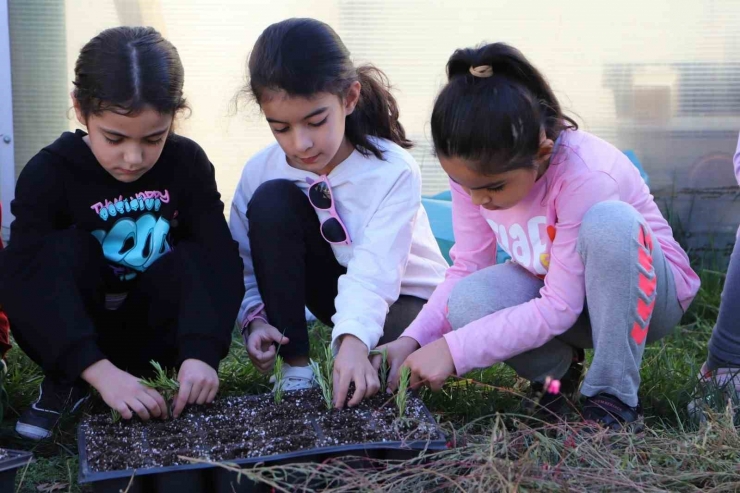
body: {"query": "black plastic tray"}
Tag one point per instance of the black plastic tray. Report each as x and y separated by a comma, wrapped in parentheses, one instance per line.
(9, 466)
(211, 478)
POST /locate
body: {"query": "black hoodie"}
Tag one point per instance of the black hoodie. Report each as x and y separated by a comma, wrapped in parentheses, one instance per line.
(65, 187)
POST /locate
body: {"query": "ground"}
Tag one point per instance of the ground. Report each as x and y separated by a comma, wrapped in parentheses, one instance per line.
(495, 451)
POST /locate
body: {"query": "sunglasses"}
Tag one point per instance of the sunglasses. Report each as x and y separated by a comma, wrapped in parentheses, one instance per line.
(321, 198)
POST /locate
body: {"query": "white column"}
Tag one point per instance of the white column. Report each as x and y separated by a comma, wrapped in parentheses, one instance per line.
(7, 159)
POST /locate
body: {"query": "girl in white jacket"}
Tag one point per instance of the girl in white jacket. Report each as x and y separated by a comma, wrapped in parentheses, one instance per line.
(330, 216)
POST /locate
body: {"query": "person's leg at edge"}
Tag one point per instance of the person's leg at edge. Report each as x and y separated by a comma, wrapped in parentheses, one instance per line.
(59, 288)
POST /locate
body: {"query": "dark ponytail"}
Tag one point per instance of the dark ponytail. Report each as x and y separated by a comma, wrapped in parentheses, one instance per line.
(125, 69)
(495, 121)
(304, 57)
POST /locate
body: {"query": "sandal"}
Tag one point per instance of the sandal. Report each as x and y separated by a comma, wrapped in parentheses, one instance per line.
(607, 411)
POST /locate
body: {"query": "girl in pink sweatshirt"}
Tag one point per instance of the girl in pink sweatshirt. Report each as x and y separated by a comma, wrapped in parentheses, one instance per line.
(594, 263)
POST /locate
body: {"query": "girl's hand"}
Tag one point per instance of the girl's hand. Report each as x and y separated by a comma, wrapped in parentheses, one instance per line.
(260, 347)
(397, 352)
(123, 391)
(431, 365)
(198, 384)
(353, 365)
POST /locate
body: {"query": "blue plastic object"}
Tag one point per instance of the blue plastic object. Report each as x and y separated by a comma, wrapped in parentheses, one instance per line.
(633, 157)
(439, 210)
(440, 218)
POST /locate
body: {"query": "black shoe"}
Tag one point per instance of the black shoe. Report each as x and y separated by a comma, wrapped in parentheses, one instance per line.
(549, 407)
(38, 421)
(607, 411)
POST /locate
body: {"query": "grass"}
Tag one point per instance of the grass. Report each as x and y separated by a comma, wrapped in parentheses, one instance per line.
(496, 450)
(277, 372)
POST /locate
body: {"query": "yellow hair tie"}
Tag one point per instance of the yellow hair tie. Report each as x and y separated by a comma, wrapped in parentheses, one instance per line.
(482, 71)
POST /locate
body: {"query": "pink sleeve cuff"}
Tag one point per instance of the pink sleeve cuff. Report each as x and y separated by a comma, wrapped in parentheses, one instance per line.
(429, 326)
(455, 346)
(256, 312)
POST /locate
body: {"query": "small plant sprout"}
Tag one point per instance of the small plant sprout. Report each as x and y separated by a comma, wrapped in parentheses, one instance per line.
(323, 373)
(167, 386)
(278, 374)
(383, 367)
(115, 416)
(403, 391)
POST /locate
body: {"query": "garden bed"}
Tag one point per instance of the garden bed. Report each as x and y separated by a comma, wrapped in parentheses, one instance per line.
(246, 430)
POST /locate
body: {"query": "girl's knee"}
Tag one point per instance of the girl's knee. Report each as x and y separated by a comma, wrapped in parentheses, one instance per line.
(464, 305)
(273, 199)
(605, 224)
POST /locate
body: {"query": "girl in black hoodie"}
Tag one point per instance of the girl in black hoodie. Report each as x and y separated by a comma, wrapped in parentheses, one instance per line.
(119, 252)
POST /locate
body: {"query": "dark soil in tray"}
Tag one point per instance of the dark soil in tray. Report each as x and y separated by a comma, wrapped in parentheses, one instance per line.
(251, 426)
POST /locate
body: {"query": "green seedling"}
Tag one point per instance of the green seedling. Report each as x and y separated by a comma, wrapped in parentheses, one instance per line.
(115, 416)
(278, 374)
(323, 373)
(403, 391)
(383, 367)
(167, 386)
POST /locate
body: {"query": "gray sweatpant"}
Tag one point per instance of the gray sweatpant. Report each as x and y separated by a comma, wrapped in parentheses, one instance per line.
(724, 346)
(614, 243)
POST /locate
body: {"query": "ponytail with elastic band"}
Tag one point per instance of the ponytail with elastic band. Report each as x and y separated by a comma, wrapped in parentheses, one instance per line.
(495, 124)
(482, 71)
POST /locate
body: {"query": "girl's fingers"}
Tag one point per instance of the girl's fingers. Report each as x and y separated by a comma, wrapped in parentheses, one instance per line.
(139, 408)
(212, 394)
(163, 405)
(393, 377)
(373, 384)
(341, 388)
(182, 398)
(267, 356)
(195, 392)
(360, 388)
(124, 410)
(414, 380)
(150, 404)
(203, 396)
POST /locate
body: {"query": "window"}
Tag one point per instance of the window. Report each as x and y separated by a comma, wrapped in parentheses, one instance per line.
(654, 77)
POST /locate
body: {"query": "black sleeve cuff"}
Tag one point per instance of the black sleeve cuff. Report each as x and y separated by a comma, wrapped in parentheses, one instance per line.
(205, 349)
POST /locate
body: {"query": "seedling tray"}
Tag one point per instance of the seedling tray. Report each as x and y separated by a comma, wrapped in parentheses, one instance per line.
(9, 465)
(188, 477)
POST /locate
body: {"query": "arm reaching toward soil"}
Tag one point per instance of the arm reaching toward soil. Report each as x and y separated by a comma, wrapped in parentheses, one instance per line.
(124, 392)
(198, 384)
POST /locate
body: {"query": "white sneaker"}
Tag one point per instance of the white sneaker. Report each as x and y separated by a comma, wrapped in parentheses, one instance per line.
(295, 378)
(714, 391)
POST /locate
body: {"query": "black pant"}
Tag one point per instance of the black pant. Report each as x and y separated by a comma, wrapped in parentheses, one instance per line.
(296, 268)
(57, 304)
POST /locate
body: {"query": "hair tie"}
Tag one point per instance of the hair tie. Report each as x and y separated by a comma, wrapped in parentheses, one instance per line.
(482, 71)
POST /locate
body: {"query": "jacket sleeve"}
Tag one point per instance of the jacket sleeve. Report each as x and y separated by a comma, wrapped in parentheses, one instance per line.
(39, 206)
(474, 249)
(373, 279)
(210, 304)
(251, 305)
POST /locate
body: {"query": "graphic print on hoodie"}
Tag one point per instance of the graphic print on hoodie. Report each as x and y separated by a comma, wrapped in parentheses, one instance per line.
(136, 223)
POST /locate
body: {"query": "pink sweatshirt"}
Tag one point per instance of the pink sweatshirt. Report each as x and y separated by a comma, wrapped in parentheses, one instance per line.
(541, 233)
